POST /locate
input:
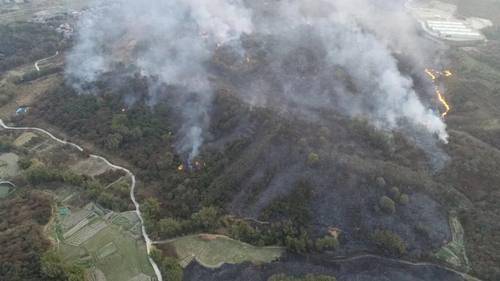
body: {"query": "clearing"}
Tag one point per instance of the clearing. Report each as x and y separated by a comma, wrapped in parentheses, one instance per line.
(214, 250)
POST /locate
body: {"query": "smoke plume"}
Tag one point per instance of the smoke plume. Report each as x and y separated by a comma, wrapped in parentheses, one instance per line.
(318, 54)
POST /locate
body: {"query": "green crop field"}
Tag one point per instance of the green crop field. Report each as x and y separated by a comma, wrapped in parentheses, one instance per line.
(454, 252)
(117, 254)
(215, 252)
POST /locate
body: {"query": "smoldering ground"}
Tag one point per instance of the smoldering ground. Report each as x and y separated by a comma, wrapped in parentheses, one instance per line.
(302, 57)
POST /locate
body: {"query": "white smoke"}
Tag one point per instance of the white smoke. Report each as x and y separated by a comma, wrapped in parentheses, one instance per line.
(179, 37)
(175, 40)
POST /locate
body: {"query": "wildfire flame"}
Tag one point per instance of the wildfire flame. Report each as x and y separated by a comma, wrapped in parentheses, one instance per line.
(433, 74)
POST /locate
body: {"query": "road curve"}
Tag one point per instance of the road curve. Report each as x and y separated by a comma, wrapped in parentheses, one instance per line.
(132, 186)
(48, 58)
(405, 262)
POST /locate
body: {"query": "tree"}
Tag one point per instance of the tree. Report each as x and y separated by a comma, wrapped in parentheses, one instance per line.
(387, 205)
(39, 174)
(55, 269)
(169, 227)
(24, 162)
(119, 124)
(207, 218)
(394, 193)
(52, 266)
(326, 243)
(241, 230)
(404, 199)
(380, 182)
(169, 267)
(151, 208)
(113, 141)
(294, 245)
(389, 242)
(312, 159)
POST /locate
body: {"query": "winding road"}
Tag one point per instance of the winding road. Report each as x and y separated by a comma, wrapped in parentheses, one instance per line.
(48, 58)
(132, 186)
(405, 262)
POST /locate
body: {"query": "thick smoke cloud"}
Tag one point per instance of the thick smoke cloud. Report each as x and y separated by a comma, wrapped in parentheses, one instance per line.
(172, 40)
(319, 54)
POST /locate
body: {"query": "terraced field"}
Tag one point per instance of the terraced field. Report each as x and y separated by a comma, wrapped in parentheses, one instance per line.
(116, 254)
(454, 252)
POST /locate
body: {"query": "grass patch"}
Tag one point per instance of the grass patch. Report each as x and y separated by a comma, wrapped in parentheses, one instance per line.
(24, 138)
(5, 190)
(213, 251)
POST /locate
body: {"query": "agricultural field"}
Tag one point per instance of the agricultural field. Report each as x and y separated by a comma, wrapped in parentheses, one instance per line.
(454, 252)
(8, 165)
(213, 251)
(105, 243)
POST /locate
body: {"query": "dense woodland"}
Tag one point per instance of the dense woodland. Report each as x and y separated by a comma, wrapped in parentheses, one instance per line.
(25, 254)
(195, 201)
(24, 43)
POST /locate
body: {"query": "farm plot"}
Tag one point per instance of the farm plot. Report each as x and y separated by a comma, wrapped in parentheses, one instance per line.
(454, 252)
(8, 165)
(126, 220)
(113, 252)
(214, 251)
(101, 241)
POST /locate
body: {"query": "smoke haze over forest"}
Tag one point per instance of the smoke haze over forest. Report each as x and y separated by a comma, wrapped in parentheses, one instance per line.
(319, 54)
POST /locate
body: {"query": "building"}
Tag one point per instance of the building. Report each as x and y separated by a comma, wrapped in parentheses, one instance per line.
(453, 30)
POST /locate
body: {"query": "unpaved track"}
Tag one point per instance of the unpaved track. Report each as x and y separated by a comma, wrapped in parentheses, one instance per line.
(48, 58)
(129, 173)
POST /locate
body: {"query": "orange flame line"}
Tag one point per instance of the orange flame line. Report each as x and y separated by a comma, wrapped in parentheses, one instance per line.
(444, 102)
(439, 95)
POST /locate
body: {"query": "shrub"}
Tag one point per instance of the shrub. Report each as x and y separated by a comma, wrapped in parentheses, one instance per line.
(24, 163)
(169, 227)
(394, 193)
(380, 182)
(326, 243)
(312, 159)
(207, 218)
(404, 199)
(387, 205)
